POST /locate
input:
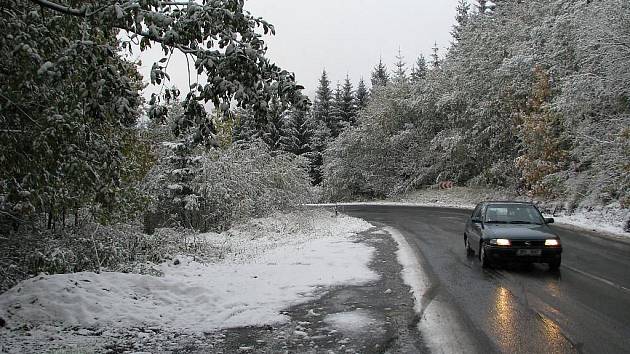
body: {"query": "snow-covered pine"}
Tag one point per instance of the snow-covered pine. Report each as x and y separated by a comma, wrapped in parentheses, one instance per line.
(323, 102)
(461, 19)
(400, 74)
(419, 70)
(336, 122)
(348, 104)
(362, 94)
(380, 76)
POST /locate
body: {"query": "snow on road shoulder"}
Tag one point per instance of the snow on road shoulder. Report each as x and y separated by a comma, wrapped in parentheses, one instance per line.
(439, 324)
(259, 273)
(602, 220)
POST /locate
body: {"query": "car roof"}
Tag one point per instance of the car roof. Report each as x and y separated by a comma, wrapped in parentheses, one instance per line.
(505, 202)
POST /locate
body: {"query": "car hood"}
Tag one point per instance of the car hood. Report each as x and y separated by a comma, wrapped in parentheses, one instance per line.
(518, 231)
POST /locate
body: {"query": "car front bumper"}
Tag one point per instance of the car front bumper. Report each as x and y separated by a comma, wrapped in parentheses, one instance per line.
(510, 254)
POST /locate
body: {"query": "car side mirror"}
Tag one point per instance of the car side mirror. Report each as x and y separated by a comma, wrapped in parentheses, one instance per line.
(549, 221)
(475, 220)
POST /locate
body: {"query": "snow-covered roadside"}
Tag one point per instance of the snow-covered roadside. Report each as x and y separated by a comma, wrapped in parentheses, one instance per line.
(439, 325)
(259, 269)
(607, 220)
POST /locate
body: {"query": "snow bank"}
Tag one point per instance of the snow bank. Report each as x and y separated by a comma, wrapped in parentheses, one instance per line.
(439, 324)
(607, 220)
(263, 273)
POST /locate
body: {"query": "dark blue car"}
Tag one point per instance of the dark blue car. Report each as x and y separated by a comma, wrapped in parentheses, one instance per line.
(511, 232)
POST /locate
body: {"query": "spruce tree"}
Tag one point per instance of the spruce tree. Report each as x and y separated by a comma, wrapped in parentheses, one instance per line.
(304, 131)
(289, 140)
(435, 58)
(400, 75)
(323, 100)
(321, 122)
(335, 123)
(419, 71)
(319, 141)
(380, 77)
(348, 103)
(272, 130)
(461, 19)
(362, 95)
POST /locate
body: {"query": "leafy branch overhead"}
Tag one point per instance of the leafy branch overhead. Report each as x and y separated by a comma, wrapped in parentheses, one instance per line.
(219, 35)
(70, 99)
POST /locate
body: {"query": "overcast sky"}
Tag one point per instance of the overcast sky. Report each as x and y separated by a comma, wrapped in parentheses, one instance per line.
(342, 36)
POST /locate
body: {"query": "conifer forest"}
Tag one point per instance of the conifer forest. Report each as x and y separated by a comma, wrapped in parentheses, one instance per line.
(532, 97)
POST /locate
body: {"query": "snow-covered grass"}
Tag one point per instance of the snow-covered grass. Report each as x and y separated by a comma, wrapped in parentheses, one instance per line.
(246, 277)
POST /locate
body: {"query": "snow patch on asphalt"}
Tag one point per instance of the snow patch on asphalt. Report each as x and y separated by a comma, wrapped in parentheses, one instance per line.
(438, 324)
(250, 286)
(357, 321)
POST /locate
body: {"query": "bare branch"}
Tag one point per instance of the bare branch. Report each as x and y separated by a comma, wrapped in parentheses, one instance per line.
(20, 109)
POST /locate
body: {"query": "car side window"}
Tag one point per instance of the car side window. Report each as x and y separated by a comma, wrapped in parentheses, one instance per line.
(477, 213)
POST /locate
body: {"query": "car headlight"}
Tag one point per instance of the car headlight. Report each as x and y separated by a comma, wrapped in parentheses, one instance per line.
(552, 242)
(500, 242)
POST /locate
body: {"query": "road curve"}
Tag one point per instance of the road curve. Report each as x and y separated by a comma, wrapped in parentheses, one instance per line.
(582, 308)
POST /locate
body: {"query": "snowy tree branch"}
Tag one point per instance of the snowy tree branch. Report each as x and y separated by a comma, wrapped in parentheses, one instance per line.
(83, 13)
(60, 8)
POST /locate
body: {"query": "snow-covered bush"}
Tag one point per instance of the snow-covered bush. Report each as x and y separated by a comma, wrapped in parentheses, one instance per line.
(88, 247)
(249, 180)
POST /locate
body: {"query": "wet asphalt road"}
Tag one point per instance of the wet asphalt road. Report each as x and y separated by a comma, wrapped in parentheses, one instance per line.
(582, 308)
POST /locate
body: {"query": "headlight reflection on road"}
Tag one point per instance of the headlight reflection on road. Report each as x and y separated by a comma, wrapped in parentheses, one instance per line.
(553, 333)
(503, 318)
(553, 288)
(516, 335)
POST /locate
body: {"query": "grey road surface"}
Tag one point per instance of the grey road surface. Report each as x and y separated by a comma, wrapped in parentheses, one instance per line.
(582, 308)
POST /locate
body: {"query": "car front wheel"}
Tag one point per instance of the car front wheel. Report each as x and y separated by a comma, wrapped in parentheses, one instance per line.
(483, 257)
(469, 250)
(554, 265)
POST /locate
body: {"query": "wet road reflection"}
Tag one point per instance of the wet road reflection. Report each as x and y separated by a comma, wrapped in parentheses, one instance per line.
(552, 332)
(514, 333)
(502, 319)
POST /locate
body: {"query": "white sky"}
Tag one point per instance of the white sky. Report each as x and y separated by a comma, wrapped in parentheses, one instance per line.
(342, 36)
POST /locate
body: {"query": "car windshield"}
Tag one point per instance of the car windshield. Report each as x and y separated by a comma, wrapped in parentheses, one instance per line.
(512, 214)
